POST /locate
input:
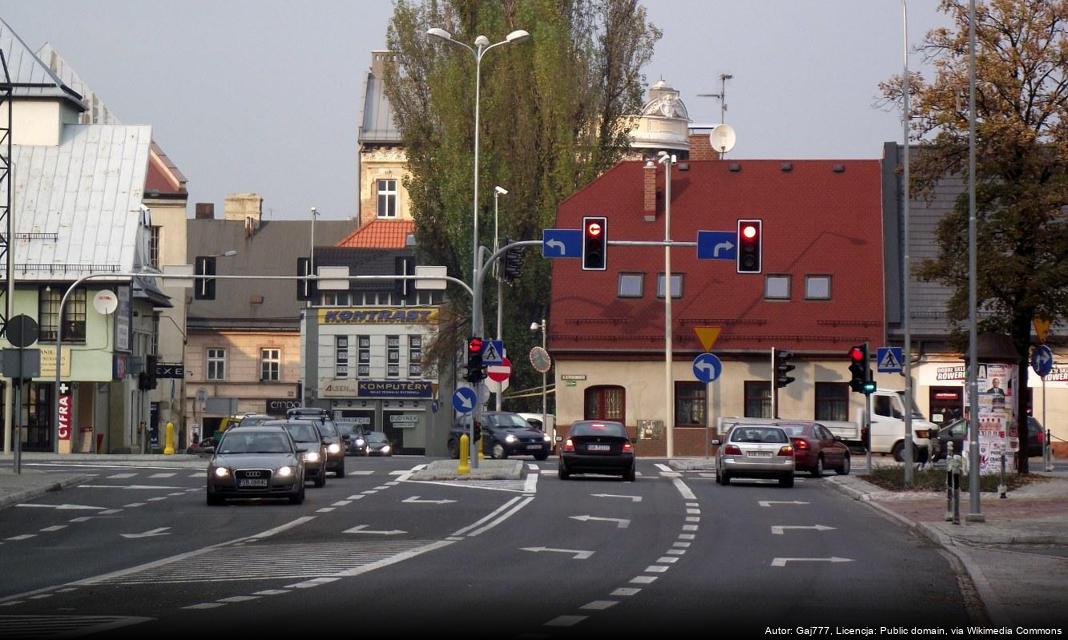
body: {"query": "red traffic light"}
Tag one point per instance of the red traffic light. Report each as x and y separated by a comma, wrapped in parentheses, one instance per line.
(593, 228)
(856, 354)
(749, 231)
(474, 345)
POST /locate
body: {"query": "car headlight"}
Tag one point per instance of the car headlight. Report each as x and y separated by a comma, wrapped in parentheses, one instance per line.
(360, 442)
(221, 472)
(311, 456)
(285, 472)
(385, 448)
(546, 438)
(333, 448)
(510, 439)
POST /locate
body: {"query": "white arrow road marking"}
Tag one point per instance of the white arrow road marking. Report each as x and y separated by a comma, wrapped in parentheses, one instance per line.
(622, 523)
(416, 500)
(612, 495)
(579, 555)
(781, 562)
(780, 529)
(726, 246)
(363, 529)
(147, 534)
(560, 246)
(768, 503)
(62, 507)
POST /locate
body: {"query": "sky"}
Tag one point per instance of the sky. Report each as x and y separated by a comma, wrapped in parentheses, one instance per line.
(264, 95)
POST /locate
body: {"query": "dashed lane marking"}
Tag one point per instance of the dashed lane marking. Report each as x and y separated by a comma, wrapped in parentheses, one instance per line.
(599, 605)
(565, 621)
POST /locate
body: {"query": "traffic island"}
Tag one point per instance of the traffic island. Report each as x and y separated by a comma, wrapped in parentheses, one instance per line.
(487, 470)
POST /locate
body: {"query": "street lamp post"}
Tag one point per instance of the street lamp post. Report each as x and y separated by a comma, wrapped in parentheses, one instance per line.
(498, 191)
(668, 159)
(482, 45)
(534, 326)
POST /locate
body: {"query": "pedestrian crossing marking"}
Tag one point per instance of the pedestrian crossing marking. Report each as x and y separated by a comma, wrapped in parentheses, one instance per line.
(58, 626)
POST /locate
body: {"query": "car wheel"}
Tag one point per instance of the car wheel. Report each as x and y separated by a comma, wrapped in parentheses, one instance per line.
(214, 500)
(817, 471)
(630, 474)
(787, 481)
(298, 497)
(726, 480)
(320, 480)
(562, 472)
(498, 451)
(846, 464)
(541, 456)
(898, 451)
(454, 449)
(341, 470)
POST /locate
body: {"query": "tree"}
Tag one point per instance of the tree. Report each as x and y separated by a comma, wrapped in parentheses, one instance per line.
(553, 114)
(1021, 164)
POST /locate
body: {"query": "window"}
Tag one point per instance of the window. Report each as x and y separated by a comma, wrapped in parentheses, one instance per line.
(630, 285)
(817, 287)
(415, 356)
(270, 364)
(153, 246)
(392, 356)
(757, 399)
(832, 401)
(204, 288)
(341, 356)
(676, 285)
(73, 315)
(777, 287)
(691, 400)
(363, 356)
(387, 198)
(216, 364)
(605, 403)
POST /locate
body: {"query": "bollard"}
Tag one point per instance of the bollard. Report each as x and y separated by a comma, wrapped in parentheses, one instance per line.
(168, 449)
(465, 453)
(1047, 450)
(1003, 491)
(949, 482)
(954, 466)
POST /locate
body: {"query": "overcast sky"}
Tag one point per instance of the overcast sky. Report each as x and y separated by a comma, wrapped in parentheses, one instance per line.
(264, 95)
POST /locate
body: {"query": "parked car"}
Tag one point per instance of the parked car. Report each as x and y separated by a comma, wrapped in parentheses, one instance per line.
(503, 434)
(307, 436)
(372, 443)
(256, 463)
(597, 446)
(957, 433)
(755, 451)
(816, 449)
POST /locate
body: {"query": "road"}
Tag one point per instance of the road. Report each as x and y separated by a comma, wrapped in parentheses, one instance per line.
(136, 552)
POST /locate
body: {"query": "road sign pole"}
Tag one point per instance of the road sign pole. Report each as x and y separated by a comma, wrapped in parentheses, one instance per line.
(774, 387)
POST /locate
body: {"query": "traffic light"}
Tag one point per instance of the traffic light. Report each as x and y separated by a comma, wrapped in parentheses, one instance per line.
(783, 368)
(513, 262)
(862, 380)
(474, 360)
(594, 241)
(749, 245)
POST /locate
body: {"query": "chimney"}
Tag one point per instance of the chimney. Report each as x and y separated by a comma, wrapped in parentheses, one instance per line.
(701, 147)
(243, 207)
(205, 211)
(649, 191)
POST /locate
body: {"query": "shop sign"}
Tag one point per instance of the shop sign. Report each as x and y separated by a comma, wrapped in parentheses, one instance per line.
(394, 389)
(402, 420)
(170, 370)
(330, 388)
(378, 316)
(956, 373)
(279, 406)
(48, 362)
(64, 411)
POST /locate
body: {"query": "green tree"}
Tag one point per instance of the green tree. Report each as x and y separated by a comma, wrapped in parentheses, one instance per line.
(553, 114)
(1021, 164)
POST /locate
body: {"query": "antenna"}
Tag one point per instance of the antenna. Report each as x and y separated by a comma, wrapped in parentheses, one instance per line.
(728, 138)
(722, 138)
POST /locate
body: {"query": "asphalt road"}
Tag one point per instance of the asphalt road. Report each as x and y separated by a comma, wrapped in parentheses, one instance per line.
(137, 552)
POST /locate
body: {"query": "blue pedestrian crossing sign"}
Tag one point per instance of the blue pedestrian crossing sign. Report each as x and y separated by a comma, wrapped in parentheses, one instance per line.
(707, 367)
(464, 400)
(889, 360)
(493, 352)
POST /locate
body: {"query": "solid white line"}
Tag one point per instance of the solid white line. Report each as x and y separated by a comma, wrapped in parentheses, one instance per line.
(683, 489)
(279, 529)
(565, 621)
(522, 503)
(486, 518)
(531, 485)
(625, 591)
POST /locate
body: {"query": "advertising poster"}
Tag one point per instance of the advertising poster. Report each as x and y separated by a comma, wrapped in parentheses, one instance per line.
(997, 423)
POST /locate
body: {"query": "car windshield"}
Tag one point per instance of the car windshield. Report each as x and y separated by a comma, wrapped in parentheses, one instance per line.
(238, 442)
(376, 436)
(599, 429)
(327, 427)
(252, 421)
(797, 429)
(302, 432)
(758, 434)
(510, 421)
(347, 429)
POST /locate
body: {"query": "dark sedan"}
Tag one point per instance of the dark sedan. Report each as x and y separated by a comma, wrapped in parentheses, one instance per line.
(256, 463)
(816, 449)
(306, 434)
(373, 443)
(504, 434)
(597, 446)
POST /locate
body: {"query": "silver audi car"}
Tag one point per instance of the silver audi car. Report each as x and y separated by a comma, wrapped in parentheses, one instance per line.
(755, 451)
(256, 462)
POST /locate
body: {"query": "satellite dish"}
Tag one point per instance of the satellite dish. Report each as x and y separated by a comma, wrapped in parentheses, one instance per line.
(105, 302)
(722, 138)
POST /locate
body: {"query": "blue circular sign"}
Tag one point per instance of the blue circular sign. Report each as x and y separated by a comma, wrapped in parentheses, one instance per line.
(464, 400)
(707, 367)
(1042, 360)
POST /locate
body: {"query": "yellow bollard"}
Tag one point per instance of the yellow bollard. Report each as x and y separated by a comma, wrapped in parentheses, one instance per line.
(465, 454)
(168, 449)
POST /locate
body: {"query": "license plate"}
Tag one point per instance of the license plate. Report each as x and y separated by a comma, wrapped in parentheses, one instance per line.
(598, 447)
(759, 454)
(252, 482)
(533, 446)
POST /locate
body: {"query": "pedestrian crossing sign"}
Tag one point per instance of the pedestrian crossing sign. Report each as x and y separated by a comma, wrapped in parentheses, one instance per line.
(889, 360)
(493, 352)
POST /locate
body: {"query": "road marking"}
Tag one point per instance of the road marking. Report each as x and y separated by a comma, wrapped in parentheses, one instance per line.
(25, 536)
(394, 559)
(768, 503)
(578, 554)
(689, 527)
(686, 536)
(81, 519)
(151, 533)
(693, 505)
(119, 476)
(56, 527)
(693, 518)
(677, 552)
(61, 507)
(355, 497)
(370, 492)
(157, 498)
(160, 475)
(130, 487)
(416, 500)
(279, 529)
(271, 592)
(314, 582)
(683, 489)
(621, 523)
(643, 580)
(565, 621)
(205, 605)
(780, 529)
(507, 514)
(177, 493)
(533, 467)
(363, 529)
(381, 487)
(667, 560)
(359, 473)
(656, 568)
(134, 505)
(599, 605)
(781, 562)
(108, 512)
(324, 510)
(392, 483)
(41, 596)
(342, 503)
(612, 495)
(693, 512)
(198, 475)
(531, 483)
(625, 591)
(238, 599)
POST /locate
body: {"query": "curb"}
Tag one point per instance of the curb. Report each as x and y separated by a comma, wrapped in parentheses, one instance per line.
(36, 492)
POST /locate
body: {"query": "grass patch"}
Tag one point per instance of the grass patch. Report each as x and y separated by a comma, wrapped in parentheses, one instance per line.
(893, 479)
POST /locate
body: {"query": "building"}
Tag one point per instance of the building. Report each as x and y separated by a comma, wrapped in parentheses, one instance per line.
(382, 160)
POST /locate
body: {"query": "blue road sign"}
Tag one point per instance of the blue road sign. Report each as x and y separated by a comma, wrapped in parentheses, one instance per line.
(464, 400)
(493, 352)
(889, 360)
(561, 243)
(717, 245)
(707, 367)
(1042, 360)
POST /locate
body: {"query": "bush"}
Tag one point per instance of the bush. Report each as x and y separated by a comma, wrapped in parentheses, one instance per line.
(893, 479)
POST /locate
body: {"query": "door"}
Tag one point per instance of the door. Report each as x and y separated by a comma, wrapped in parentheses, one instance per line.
(37, 405)
(947, 404)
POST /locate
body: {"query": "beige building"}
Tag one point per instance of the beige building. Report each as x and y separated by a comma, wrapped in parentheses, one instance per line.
(382, 160)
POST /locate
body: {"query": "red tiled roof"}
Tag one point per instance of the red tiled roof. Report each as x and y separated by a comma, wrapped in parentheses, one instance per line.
(380, 234)
(816, 222)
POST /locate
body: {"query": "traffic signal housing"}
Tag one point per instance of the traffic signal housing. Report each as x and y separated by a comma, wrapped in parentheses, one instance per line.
(750, 242)
(594, 242)
(475, 373)
(862, 380)
(783, 368)
(513, 262)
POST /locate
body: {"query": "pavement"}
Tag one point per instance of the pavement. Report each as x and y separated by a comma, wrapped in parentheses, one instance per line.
(1014, 563)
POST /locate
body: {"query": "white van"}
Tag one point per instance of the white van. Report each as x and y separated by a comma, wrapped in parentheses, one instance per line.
(888, 425)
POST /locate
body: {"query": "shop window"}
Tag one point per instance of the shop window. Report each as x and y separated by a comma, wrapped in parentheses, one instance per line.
(691, 402)
(757, 399)
(605, 403)
(832, 401)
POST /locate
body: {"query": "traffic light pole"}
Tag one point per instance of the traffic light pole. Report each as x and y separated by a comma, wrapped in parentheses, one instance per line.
(774, 387)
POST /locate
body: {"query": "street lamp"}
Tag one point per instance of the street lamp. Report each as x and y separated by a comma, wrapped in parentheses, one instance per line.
(482, 45)
(498, 191)
(668, 159)
(534, 326)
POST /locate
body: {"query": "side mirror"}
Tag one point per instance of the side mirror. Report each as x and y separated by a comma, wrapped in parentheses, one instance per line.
(838, 439)
(716, 443)
(302, 450)
(559, 438)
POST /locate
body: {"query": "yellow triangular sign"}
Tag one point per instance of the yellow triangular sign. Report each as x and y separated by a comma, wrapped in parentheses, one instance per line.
(707, 336)
(1041, 328)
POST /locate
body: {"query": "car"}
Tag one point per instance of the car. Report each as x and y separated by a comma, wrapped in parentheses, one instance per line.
(307, 436)
(350, 434)
(254, 419)
(205, 446)
(755, 451)
(372, 443)
(256, 463)
(957, 433)
(816, 449)
(597, 446)
(535, 420)
(335, 446)
(504, 434)
(304, 413)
